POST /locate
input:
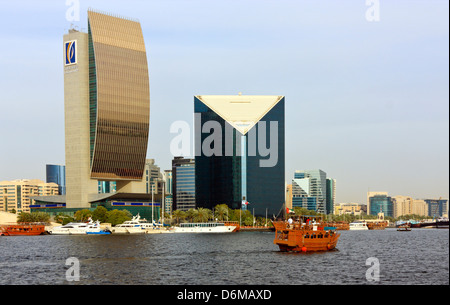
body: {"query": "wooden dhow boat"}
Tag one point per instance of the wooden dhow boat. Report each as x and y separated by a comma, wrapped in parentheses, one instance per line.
(304, 234)
(22, 229)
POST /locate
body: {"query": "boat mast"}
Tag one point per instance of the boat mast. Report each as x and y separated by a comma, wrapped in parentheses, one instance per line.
(152, 202)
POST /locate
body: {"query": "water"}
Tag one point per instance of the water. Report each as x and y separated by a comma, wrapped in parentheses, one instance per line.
(420, 256)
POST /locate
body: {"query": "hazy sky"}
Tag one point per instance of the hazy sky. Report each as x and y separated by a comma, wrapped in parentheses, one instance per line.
(366, 102)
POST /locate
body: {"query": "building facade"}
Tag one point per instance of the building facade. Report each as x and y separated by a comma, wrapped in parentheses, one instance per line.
(107, 107)
(240, 152)
(437, 207)
(309, 190)
(371, 194)
(288, 197)
(350, 208)
(183, 184)
(381, 203)
(402, 205)
(15, 195)
(56, 174)
(331, 195)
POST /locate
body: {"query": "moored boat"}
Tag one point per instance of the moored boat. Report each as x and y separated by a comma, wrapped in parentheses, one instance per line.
(300, 235)
(404, 227)
(204, 227)
(339, 225)
(138, 225)
(79, 228)
(358, 226)
(378, 225)
(23, 229)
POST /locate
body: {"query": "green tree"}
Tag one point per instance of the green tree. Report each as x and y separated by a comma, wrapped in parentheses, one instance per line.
(82, 215)
(63, 218)
(221, 211)
(179, 214)
(33, 217)
(115, 217)
(100, 214)
(191, 214)
(203, 215)
(246, 218)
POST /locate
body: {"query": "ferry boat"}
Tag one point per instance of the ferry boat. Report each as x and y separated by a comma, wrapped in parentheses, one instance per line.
(22, 229)
(358, 225)
(136, 225)
(204, 227)
(300, 235)
(79, 228)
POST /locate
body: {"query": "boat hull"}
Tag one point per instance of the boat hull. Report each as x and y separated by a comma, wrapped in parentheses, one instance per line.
(129, 230)
(359, 229)
(304, 239)
(99, 233)
(23, 230)
(222, 229)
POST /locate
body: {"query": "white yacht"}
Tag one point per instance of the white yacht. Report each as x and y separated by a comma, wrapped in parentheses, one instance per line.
(136, 225)
(79, 228)
(358, 225)
(204, 227)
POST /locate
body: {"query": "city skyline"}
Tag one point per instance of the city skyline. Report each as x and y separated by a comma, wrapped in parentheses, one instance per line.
(366, 101)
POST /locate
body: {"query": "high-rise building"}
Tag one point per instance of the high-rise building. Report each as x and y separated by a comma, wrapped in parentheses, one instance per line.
(437, 207)
(16, 195)
(309, 190)
(107, 107)
(167, 176)
(57, 174)
(402, 205)
(107, 113)
(381, 203)
(240, 152)
(288, 197)
(153, 177)
(419, 207)
(183, 184)
(369, 208)
(331, 195)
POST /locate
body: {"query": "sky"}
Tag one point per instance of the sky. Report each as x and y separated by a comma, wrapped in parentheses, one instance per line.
(367, 101)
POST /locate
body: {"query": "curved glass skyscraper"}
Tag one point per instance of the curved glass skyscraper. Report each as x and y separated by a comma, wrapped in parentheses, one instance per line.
(107, 106)
(119, 98)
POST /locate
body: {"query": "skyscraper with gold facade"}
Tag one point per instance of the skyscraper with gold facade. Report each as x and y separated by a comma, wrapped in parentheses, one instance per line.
(107, 107)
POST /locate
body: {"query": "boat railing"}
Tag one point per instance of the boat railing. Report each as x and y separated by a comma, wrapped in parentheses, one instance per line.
(303, 226)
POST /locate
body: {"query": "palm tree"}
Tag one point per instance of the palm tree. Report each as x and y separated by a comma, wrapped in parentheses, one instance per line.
(179, 214)
(191, 214)
(221, 211)
(203, 215)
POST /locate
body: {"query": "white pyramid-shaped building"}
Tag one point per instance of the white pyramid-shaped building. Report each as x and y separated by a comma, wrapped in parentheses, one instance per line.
(240, 111)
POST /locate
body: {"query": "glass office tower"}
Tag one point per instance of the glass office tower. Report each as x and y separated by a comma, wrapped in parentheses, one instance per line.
(119, 99)
(183, 184)
(309, 190)
(57, 174)
(107, 107)
(239, 152)
(381, 203)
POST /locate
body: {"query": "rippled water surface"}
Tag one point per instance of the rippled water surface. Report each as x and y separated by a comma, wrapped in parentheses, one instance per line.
(420, 256)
